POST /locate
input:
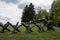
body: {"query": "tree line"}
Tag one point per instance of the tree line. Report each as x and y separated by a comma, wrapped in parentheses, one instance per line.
(29, 13)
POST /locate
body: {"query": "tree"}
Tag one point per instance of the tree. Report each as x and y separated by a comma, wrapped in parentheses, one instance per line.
(28, 13)
(25, 14)
(52, 10)
(42, 13)
(55, 12)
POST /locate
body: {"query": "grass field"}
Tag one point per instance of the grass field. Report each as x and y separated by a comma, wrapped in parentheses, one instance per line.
(47, 35)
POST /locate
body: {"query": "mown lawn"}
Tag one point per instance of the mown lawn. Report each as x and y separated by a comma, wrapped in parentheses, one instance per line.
(47, 35)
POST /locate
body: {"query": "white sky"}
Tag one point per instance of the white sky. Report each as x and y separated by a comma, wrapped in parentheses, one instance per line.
(12, 11)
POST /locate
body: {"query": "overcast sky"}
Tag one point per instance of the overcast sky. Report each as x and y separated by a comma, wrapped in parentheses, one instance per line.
(12, 9)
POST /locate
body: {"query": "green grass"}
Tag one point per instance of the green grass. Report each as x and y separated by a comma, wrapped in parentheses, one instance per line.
(47, 35)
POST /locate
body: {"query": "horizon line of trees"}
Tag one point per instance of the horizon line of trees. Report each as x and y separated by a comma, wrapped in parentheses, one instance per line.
(29, 13)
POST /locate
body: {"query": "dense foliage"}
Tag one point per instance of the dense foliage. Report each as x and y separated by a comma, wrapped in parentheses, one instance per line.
(55, 12)
(28, 13)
